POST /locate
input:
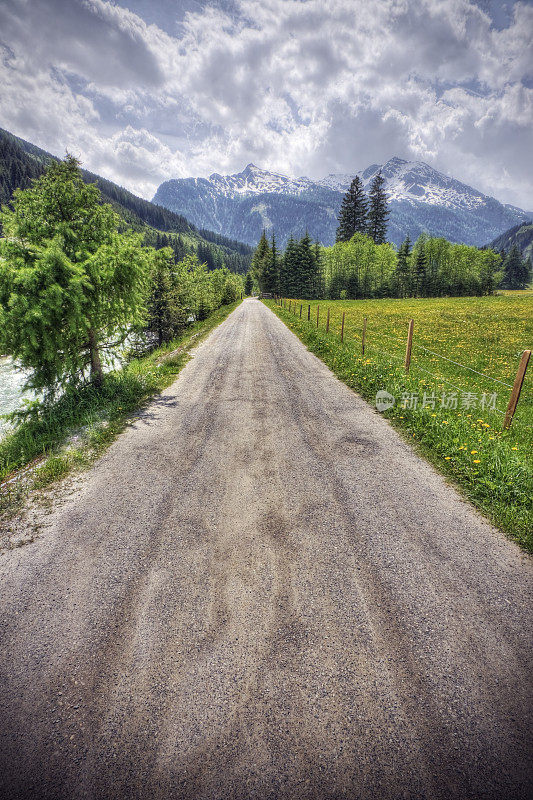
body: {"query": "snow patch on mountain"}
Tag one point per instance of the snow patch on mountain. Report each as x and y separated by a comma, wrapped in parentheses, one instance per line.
(420, 198)
(254, 180)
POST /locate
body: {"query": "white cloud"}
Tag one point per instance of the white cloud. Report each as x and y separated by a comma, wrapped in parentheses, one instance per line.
(301, 87)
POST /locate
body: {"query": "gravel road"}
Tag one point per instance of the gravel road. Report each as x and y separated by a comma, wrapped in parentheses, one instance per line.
(260, 591)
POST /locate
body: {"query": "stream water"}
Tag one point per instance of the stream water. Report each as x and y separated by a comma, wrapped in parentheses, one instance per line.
(11, 392)
(12, 379)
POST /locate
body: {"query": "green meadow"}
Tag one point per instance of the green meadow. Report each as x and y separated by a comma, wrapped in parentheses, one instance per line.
(451, 405)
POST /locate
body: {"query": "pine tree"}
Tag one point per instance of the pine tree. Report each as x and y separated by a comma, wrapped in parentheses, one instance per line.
(516, 270)
(69, 281)
(289, 280)
(271, 269)
(261, 261)
(353, 214)
(420, 270)
(402, 267)
(166, 315)
(378, 212)
(304, 283)
(248, 284)
(319, 287)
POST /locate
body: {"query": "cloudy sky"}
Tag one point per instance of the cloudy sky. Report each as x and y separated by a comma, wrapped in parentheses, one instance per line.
(144, 90)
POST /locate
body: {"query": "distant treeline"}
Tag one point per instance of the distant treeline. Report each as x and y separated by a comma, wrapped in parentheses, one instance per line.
(358, 268)
(363, 264)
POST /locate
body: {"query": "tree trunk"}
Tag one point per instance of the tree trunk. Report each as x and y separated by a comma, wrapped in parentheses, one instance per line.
(97, 373)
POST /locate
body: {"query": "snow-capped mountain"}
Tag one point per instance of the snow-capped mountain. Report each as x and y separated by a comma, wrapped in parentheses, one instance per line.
(254, 180)
(420, 198)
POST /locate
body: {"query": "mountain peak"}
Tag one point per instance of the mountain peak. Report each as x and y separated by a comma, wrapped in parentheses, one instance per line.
(421, 199)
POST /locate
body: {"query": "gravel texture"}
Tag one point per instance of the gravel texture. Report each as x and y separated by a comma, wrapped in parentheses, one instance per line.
(261, 591)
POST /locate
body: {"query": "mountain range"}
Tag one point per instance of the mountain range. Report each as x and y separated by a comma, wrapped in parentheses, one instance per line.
(421, 199)
(21, 162)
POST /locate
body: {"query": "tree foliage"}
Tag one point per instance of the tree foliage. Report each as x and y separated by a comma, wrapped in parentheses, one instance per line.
(361, 268)
(73, 287)
(248, 284)
(353, 214)
(516, 270)
(378, 211)
(70, 283)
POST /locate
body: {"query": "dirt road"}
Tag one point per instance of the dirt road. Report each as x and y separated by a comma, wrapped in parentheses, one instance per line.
(261, 592)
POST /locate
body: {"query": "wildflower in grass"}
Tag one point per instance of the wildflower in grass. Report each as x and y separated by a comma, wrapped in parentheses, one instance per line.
(472, 452)
(447, 458)
(477, 461)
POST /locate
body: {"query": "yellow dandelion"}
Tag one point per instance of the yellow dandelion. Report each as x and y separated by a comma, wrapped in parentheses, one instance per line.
(477, 461)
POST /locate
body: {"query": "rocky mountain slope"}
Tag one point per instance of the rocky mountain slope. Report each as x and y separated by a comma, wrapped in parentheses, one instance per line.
(421, 199)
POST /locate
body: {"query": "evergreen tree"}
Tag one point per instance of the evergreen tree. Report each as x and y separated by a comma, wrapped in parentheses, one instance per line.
(320, 286)
(166, 315)
(420, 270)
(353, 214)
(261, 261)
(516, 270)
(271, 269)
(69, 281)
(248, 284)
(403, 268)
(289, 282)
(378, 211)
(178, 247)
(306, 272)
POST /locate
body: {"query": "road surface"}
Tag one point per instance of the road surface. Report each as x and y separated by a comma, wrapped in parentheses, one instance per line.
(260, 591)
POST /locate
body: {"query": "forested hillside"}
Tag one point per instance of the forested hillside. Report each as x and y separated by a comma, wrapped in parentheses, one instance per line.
(520, 236)
(21, 162)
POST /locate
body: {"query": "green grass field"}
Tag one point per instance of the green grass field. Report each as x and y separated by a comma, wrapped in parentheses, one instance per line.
(465, 355)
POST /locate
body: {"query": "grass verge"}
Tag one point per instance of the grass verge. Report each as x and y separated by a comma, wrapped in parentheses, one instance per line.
(54, 439)
(491, 467)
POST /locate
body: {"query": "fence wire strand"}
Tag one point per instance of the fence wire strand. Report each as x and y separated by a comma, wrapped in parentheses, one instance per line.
(458, 364)
(437, 378)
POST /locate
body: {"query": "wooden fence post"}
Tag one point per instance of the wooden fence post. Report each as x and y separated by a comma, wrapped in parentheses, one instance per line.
(308, 312)
(327, 323)
(409, 345)
(301, 306)
(364, 337)
(517, 388)
(317, 313)
(342, 327)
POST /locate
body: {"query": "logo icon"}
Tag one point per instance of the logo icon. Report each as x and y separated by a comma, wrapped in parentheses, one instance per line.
(384, 400)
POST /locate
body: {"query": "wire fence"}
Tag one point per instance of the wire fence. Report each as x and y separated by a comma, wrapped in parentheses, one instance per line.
(411, 363)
